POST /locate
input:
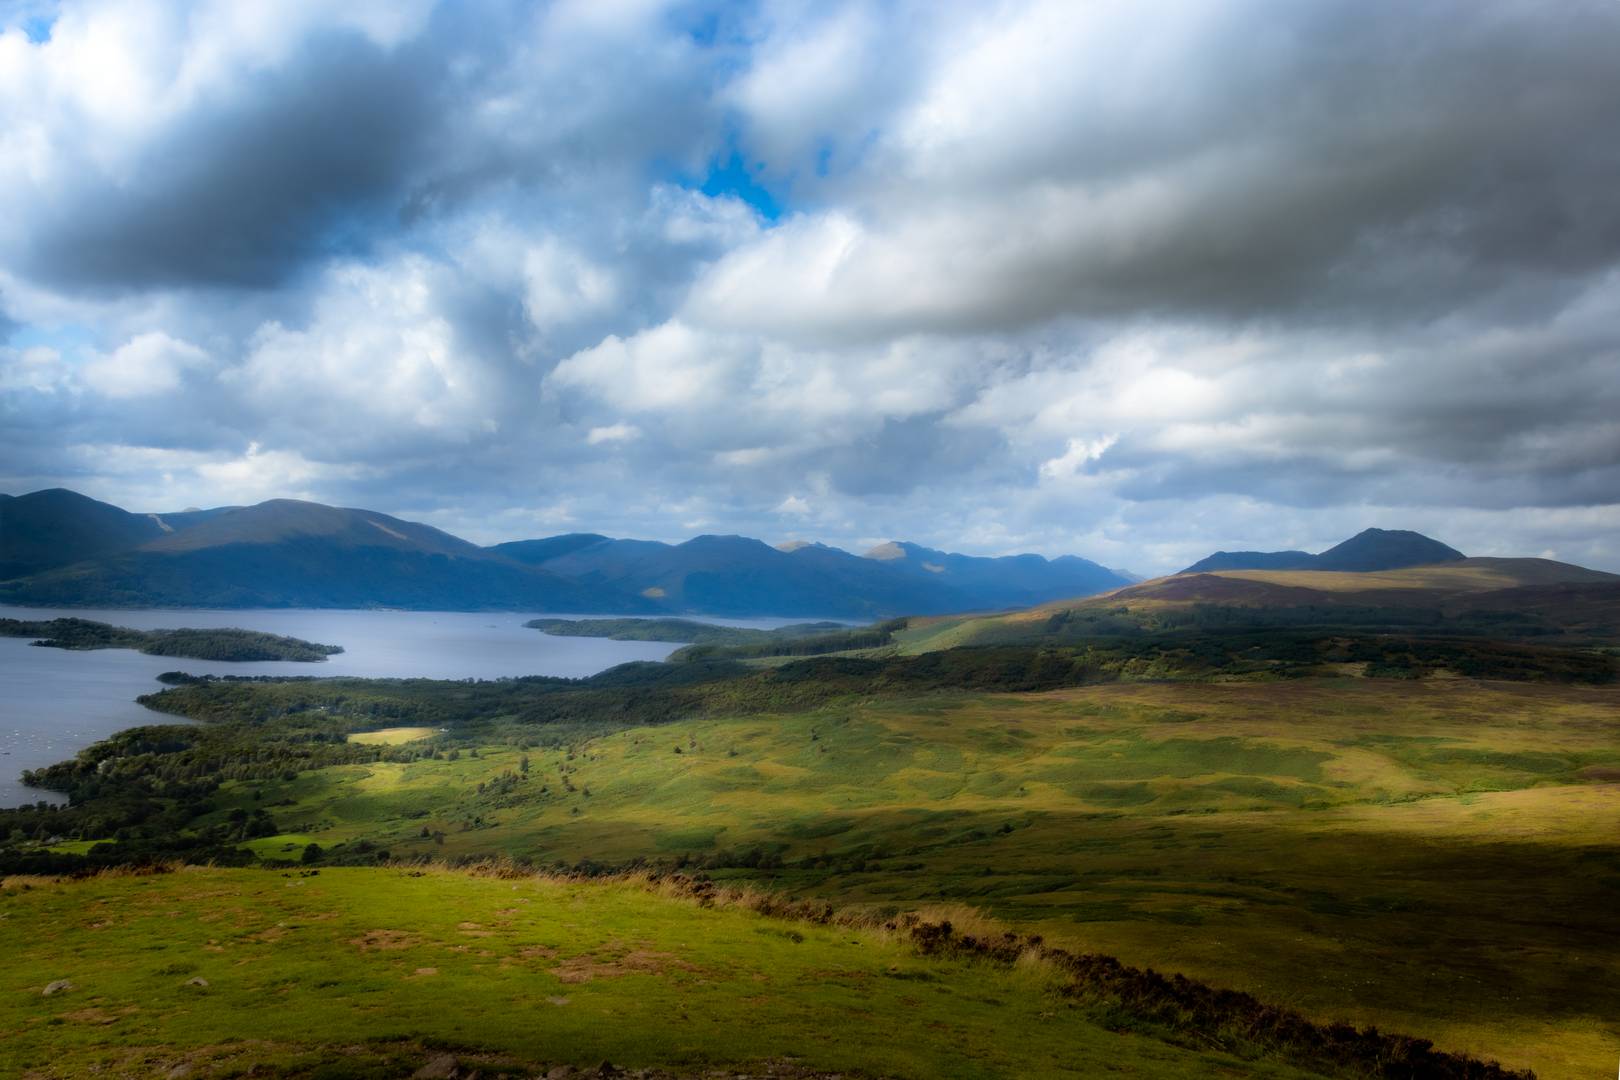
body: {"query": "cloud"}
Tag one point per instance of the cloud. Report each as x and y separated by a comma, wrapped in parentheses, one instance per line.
(561, 285)
(667, 368)
(817, 82)
(379, 361)
(1136, 281)
(612, 433)
(150, 363)
(1076, 455)
(1062, 161)
(38, 370)
(220, 145)
(147, 478)
(258, 474)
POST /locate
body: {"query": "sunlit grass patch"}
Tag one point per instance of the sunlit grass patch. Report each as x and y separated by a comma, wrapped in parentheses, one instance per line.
(394, 736)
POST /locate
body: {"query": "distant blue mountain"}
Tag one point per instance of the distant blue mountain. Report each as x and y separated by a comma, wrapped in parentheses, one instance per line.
(52, 528)
(60, 548)
(736, 575)
(287, 553)
(1008, 581)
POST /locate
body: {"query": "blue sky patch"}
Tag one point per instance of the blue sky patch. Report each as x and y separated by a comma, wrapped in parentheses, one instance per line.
(736, 176)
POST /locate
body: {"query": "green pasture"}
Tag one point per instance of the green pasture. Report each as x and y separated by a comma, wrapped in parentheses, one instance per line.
(1440, 857)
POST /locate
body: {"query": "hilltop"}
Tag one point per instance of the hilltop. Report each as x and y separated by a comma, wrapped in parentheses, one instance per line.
(56, 527)
(1368, 550)
(1533, 600)
(289, 553)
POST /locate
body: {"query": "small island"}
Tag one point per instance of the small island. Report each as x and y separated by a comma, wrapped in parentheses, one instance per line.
(227, 644)
(682, 631)
(707, 641)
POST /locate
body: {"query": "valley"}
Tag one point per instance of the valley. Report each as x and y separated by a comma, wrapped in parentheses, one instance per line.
(1433, 852)
(1380, 798)
(1402, 844)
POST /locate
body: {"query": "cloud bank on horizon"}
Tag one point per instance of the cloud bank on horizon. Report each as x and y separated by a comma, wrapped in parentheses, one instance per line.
(1132, 280)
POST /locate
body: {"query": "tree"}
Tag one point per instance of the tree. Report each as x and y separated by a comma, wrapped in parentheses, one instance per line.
(312, 853)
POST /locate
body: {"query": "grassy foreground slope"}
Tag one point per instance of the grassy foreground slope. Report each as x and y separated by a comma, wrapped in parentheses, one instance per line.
(1438, 856)
(379, 972)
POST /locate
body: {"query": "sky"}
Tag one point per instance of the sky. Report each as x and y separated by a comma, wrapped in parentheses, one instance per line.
(1135, 281)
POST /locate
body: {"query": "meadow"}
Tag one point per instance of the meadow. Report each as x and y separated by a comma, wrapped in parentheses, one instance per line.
(1437, 856)
(366, 972)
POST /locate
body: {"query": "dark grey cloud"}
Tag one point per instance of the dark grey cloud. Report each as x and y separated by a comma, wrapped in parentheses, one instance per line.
(296, 165)
(1321, 163)
(353, 141)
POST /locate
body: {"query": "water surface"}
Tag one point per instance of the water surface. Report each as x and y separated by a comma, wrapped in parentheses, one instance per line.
(54, 702)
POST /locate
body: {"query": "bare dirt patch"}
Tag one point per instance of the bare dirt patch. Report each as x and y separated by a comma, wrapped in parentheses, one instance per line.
(385, 941)
(580, 969)
(99, 1016)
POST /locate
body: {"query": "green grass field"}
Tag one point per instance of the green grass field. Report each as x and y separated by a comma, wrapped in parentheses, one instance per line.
(374, 972)
(1439, 857)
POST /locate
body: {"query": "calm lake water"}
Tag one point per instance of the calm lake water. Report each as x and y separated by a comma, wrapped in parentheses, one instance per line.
(54, 702)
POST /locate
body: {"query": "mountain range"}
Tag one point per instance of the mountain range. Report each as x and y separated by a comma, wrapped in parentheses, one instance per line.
(60, 548)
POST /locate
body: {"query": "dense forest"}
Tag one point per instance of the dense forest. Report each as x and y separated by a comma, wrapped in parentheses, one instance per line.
(217, 644)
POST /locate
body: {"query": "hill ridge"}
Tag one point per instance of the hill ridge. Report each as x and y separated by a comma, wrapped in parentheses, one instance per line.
(1369, 550)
